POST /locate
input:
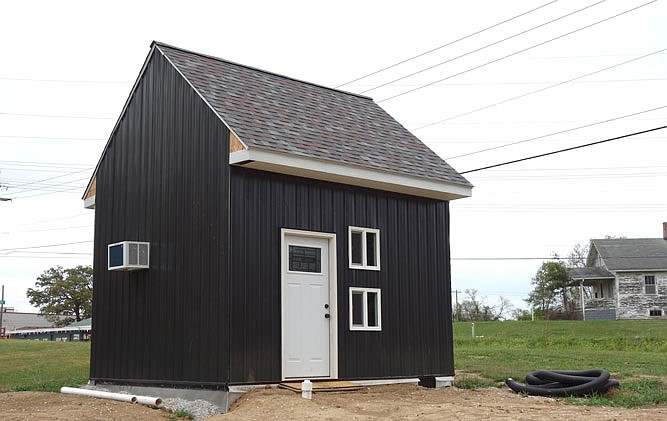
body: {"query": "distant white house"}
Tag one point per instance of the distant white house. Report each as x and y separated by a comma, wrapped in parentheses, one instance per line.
(628, 277)
(12, 320)
(77, 331)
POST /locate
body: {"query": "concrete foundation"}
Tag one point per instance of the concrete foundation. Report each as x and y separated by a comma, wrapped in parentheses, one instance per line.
(224, 399)
(221, 398)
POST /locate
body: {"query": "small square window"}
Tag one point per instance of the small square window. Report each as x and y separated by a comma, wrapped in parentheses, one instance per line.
(305, 259)
(649, 284)
(655, 313)
(365, 309)
(364, 248)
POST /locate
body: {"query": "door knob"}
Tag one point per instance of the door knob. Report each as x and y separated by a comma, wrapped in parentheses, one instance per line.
(326, 316)
(326, 306)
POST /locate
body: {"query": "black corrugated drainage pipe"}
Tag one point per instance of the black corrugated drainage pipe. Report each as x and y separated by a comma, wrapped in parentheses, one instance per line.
(564, 383)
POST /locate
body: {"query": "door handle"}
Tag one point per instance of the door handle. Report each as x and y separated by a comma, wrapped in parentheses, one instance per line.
(326, 316)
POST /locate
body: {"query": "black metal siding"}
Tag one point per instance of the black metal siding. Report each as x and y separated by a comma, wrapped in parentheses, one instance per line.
(416, 336)
(164, 179)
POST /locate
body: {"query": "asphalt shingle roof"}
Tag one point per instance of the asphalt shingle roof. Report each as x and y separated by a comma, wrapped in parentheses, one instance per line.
(633, 253)
(590, 273)
(281, 114)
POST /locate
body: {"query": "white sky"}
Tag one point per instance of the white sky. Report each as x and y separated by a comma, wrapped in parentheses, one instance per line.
(80, 59)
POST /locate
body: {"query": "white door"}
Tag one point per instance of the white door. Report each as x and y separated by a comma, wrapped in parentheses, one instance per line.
(306, 312)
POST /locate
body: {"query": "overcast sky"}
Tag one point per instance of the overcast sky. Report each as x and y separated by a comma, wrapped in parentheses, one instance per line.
(599, 73)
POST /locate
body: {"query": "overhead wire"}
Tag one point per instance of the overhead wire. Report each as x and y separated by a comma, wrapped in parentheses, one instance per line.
(20, 79)
(558, 132)
(481, 48)
(446, 45)
(516, 52)
(486, 107)
(56, 116)
(54, 219)
(656, 79)
(47, 179)
(52, 138)
(565, 149)
(46, 245)
(45, 230)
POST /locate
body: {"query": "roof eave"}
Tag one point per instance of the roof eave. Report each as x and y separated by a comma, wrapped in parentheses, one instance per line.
(320, 169)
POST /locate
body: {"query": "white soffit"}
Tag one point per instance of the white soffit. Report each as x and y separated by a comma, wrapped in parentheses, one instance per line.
(347, 174)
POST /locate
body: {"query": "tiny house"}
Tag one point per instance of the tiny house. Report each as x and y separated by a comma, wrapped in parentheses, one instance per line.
(289, 231)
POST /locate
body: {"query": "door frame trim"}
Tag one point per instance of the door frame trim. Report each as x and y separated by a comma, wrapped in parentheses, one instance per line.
(333, 298)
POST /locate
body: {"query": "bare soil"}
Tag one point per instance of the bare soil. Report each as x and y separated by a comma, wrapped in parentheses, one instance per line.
(407, 402)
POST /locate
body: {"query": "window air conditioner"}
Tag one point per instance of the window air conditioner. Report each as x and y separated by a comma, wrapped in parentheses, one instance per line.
(128, 255)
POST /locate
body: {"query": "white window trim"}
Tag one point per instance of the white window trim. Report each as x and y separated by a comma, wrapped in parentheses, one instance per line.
(364, 301)
(364, 249)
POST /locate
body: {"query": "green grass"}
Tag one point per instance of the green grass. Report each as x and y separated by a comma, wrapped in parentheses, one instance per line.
(38, 365)
(182, 414)
(633, 351)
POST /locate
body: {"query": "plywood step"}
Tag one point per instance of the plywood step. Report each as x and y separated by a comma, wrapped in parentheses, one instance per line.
(323, 386)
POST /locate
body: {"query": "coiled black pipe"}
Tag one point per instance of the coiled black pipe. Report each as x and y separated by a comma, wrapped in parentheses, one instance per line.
(564, 383)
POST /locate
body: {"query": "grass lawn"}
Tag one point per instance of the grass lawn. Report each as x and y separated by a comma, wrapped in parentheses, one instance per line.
(38, 365)
(634, 351)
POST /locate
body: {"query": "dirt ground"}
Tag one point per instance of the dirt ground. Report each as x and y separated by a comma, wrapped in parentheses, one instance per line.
(406, 402)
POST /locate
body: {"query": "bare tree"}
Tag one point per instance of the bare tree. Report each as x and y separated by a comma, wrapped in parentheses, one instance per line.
(578, 256)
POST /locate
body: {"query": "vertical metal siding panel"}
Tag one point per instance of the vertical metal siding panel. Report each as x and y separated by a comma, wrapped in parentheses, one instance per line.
(415, 339)
(162, 177)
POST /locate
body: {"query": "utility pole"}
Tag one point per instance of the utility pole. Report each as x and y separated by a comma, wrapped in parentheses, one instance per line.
(457, 310)
(2, 311)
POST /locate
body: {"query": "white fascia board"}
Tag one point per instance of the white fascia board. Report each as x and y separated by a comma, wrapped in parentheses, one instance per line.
(347, 174)
(89, 203)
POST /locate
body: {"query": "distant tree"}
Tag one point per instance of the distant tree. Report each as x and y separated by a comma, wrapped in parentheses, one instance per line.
(64, 291)
(551, 289)
(475, 309)
(578, 256)
(520, 314)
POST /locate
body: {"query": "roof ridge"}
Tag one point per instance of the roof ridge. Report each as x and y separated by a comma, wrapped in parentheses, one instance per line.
(624, 239)
(162, 44)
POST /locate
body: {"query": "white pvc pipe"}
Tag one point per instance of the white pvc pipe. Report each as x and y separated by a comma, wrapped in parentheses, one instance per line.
(99, 394)
(149, 400)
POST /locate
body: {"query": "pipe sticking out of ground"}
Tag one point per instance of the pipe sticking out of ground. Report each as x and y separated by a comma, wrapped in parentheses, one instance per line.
(99, 394)
(143, 400)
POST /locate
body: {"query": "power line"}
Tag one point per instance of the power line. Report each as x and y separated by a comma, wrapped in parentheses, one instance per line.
(54, 219)
(446, 45)
(565, 150)
(482, 48)
(517, 52)
(57, 253)
(70, 190)
(64, 80)
(539, 90)
(50, 178)
(57, 116)
(45, 164)
(558, 132)
(52, 138)
(657, 79)
(49, 229)
(11, 256)
(45, 246)
(544, 258)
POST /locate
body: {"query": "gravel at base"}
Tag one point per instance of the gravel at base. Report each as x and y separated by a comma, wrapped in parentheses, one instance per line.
(200, 409)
